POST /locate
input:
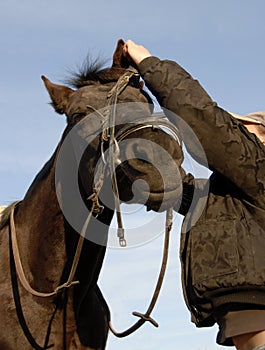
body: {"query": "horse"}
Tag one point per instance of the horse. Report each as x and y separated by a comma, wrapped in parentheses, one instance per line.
(49, 296)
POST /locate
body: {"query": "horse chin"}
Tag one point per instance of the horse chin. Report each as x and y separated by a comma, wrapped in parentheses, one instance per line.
(160, 202)
(154, 197)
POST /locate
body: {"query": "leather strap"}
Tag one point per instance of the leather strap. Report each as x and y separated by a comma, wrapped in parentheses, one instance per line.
(19, 268)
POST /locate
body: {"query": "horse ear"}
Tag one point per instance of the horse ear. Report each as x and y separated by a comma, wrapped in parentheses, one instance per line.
(119, 61)
(59, 95)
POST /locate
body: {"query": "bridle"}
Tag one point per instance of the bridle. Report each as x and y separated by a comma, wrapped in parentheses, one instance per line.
(113, 140)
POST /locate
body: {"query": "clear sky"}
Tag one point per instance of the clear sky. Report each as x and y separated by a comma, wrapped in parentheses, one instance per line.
(221, 43)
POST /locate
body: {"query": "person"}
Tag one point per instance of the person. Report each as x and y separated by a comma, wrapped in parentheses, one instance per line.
(222, 253)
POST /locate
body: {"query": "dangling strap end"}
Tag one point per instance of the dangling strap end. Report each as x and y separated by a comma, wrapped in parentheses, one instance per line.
(120, 234)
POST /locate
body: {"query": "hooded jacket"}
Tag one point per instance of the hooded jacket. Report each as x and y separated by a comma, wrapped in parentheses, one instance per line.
(222, 249)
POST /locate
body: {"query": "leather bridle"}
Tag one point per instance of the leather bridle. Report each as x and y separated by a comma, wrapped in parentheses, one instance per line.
(113, 140)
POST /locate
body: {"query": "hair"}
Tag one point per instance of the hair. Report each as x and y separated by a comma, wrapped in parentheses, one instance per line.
(94, 71)
(91, 72)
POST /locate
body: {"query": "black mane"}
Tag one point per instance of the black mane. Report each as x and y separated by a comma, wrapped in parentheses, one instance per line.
(91, 72)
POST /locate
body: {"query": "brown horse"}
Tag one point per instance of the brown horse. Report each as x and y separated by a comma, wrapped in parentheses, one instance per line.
(76, 316)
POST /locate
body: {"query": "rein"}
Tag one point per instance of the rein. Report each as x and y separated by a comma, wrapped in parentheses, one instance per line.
(17, 271)
(114, 160)
(19, 268)
(144, 317)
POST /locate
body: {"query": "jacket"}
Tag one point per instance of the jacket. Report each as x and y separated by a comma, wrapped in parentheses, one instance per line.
(222, 250)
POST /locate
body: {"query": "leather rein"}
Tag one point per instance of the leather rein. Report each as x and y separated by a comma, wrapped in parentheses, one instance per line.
(17, 271)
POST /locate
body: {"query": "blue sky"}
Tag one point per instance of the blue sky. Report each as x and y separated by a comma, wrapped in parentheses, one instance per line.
(221, 43)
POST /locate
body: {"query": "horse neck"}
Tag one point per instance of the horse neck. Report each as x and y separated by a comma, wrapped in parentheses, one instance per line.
(40, 232)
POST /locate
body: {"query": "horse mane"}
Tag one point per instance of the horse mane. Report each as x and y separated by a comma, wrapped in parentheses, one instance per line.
(91, 72)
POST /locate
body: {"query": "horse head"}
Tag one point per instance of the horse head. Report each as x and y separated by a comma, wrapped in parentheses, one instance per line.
(149, 158)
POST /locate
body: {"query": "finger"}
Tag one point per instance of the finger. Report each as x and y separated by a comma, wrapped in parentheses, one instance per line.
(125, 49)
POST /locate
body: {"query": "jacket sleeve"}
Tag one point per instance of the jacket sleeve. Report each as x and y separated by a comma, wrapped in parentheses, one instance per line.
(229, 148)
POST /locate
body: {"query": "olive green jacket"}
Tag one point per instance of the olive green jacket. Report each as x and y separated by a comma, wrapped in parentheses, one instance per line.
(222, 249)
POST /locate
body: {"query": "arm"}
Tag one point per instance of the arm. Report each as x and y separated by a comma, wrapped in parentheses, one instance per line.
(230, 148)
